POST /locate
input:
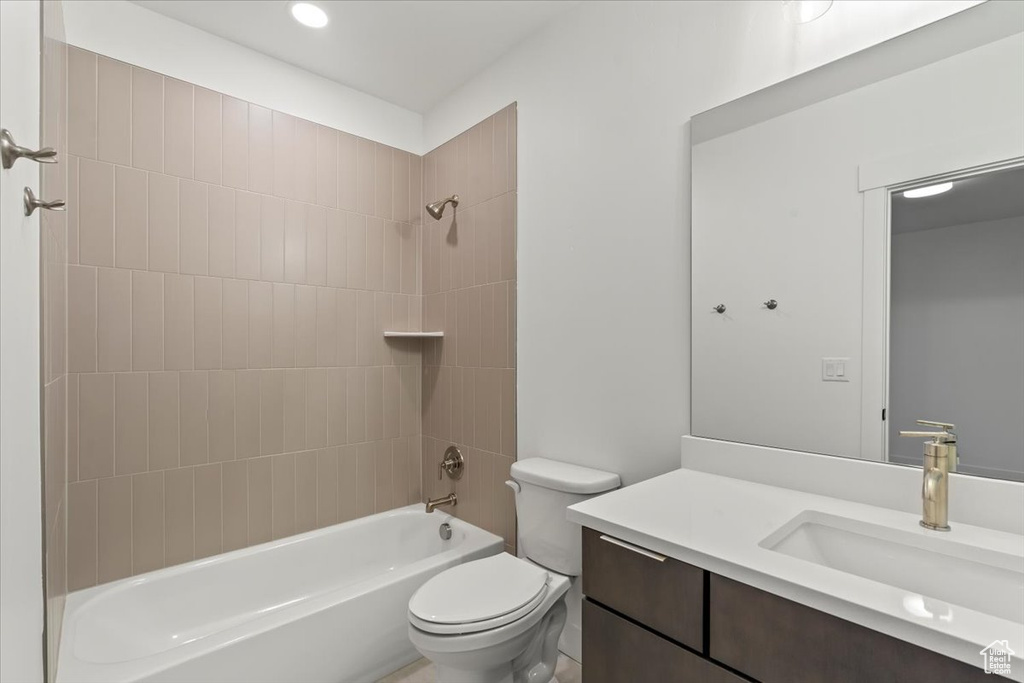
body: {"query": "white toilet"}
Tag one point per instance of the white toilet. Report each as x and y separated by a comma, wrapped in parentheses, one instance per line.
(498, 620)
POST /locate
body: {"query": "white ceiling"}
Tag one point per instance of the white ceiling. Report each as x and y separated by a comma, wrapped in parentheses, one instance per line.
(985, 197)
(406, 52)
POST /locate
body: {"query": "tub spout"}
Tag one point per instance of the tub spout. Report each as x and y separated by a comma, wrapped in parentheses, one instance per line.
(450, 499)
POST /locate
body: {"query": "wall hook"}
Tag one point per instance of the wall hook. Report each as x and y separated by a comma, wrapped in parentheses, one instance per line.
(771, 304)
(720, 308)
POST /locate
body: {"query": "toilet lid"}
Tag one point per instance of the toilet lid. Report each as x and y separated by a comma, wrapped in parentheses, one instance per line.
(478, 591)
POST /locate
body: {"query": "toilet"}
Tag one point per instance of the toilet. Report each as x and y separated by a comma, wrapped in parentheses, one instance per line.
(500, 619)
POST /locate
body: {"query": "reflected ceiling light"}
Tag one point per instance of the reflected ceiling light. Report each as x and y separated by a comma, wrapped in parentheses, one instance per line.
(928, 190)
(804, 11)
(308, 14)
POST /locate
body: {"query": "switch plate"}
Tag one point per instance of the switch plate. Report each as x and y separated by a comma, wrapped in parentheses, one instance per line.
(835, 369)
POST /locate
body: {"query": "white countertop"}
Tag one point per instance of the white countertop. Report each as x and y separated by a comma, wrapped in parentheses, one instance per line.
(717, 522)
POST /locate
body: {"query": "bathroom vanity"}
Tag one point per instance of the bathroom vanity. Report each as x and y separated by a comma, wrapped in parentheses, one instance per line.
(692, 576)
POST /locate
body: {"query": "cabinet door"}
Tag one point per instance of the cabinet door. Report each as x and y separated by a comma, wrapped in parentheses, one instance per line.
(665, 595)
(775, 640)
(616, 650)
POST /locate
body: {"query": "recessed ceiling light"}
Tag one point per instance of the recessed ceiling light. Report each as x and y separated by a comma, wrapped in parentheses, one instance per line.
(308, 14)
(928, 190)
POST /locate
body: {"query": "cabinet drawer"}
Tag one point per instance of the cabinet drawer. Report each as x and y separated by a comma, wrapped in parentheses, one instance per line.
(616, 650)
(664, 594)
(780, 641)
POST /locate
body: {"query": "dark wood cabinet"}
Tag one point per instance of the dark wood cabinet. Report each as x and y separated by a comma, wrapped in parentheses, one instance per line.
(616, 650)
(664, 594)
(648, 618)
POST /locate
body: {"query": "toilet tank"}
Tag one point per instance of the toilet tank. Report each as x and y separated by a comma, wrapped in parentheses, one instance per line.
(545, 488)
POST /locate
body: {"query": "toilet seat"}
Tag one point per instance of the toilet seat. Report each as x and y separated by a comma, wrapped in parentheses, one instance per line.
(479, 596)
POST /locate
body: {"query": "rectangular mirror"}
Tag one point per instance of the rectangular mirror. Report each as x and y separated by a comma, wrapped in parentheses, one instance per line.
(829, 309)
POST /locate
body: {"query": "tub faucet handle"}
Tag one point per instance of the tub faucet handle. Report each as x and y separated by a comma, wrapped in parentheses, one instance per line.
(453, 463)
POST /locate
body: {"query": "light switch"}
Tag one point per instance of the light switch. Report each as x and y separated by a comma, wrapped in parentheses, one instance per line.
(835, 369)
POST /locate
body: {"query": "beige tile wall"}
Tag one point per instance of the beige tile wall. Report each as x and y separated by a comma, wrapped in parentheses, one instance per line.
(469, 288)
(232, 270)
(53, 245)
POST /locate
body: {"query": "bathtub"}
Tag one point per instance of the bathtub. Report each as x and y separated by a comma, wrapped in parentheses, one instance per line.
(328, 605)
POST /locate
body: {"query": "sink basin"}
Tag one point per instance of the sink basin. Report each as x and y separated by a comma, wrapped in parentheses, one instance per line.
(930, 566)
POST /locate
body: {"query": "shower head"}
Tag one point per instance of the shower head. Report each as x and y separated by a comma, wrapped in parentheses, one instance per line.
(436, 209)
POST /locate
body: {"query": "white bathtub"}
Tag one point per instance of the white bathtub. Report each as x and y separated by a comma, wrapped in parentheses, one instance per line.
(328, 605)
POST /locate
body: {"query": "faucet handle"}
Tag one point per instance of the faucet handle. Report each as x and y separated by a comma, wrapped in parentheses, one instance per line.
(944, 426)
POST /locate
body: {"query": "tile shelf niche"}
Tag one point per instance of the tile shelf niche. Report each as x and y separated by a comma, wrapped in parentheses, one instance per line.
(413, 335)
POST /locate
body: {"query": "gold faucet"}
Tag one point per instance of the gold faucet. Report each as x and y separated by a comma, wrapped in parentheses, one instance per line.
(939, 461)
(450, 499)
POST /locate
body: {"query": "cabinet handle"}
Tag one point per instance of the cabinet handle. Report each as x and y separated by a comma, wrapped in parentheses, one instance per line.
(635, 548)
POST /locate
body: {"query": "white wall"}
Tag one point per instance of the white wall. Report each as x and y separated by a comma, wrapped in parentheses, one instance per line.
(604, 96)
(957, 341)
(778, 213)
(21, 514)
(133, 34)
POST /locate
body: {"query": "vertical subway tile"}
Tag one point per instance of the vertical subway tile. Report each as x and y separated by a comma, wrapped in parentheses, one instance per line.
(113, 320)
(283, 136)
(131, 432)
(131, 227)
(499, 177)
(326, 166)
(96, 213)
(374, 404)
(194, 227)
(178, 322)
(261, 311)
(304, 160)
(271, 412)
(261, 150)
(82, 533)
(348, 483)
(147, 120)
(409, 405)
(179, 516)
(410, 257)
(316, 408)
(221, 225)
(82, 110)
(207, 511)
(81, 319)
(384, 477)
(348, 186)
(208, 323)
(366, 340)
(235, 508)
(163, 420)
(163, 223)
(178, 128)
(114, 111)
(391, 401)
(294, 410)
(316, 245)
(400, 196)
(247, 413)
(375, 254)
(366, 174)
(346, 327)
(366, 478)
(485, 174)
(147, 522)
(415, 188)
(235, 142)
(96, 426)
(305, 326)
(147, 321)
(326, 327)
(399, 472)
(72, 209)
(295, 242)
(337, 407)
(337, 258)
(356, 250)
(207, 136)
(392, 257)
(272, 214)
(305, 491)
(283, 495)
(222, 416)
(235, 320)
(72, 436)
(247, 235)
(508, 413)
(284, 326)
(114, 529)
(384, 182)
(356, 404)
(194, 418)
(326, 487)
